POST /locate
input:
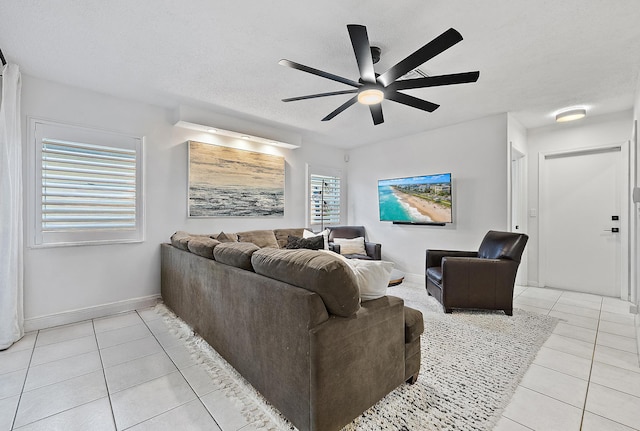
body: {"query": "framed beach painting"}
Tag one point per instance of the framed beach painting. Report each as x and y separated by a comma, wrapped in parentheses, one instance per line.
(229, 182)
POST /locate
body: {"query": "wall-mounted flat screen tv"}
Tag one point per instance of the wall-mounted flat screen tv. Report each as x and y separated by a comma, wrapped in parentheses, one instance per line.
(416, 200)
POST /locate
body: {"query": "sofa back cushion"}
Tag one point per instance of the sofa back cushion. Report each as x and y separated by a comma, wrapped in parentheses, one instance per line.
(261, 238)
(312, 270)
(203, 246)
(236, 254)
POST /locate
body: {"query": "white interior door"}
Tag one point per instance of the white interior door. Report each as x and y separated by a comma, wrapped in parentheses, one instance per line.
(581, 209)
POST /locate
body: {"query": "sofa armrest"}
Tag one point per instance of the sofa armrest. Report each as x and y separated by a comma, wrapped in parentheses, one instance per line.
(356, 361)
(374, 250)
(434, 257)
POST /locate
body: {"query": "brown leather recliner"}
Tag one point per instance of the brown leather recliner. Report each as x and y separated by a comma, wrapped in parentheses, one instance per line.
(374, 250)
(482, 279)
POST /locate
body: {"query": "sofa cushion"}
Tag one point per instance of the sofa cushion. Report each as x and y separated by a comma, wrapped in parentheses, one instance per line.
(236, 254)
(314, 243)
(180, 240)
(282, 235)
(261, 238)
(321, 273)
(203, 246)
(351, 245)
(413, 324)
(225, 237)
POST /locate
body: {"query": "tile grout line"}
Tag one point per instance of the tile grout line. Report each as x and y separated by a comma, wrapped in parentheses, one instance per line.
(104, 376)
(593, 358)
(181, 373)
(26, 374)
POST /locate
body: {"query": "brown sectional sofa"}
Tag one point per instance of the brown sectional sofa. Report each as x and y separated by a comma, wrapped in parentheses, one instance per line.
(291, 322)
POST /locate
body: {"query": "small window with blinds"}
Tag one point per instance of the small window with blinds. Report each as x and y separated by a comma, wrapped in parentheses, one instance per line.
(88, 186)
(324, 202)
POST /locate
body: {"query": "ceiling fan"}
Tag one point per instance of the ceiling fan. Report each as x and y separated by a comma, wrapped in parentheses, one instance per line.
(372, 88)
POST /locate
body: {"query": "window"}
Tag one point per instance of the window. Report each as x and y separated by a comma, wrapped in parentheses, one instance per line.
(324, 199)
(87, 186)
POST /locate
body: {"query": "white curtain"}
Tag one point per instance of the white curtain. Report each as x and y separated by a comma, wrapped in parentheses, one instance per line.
(11, 240)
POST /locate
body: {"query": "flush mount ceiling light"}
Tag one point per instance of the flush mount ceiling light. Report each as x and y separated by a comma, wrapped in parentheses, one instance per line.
(571, 115)
(370, 96)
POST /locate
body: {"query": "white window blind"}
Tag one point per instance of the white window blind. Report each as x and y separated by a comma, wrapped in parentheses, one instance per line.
(324, 205)
(87, 186)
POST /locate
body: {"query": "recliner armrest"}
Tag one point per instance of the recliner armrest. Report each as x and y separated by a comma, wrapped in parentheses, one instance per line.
(434, 257)
(477, 276)
(334, 247)
(374, 250)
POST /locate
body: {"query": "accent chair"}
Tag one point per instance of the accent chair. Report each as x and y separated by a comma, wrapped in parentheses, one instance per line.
(481, 279)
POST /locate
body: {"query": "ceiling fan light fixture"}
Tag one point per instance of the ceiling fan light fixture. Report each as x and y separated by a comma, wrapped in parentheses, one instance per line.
(571, 115)
(370, 96)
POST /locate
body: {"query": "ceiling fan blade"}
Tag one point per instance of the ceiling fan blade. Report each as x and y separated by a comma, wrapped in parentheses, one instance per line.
(376, 113)
(414, 102)
(434, 81)
(441, 43)
(341, 108)
(317, 72)
(313, 96)
(362, 50)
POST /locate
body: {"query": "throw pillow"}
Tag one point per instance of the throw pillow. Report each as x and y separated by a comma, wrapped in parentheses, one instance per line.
(314, 243)
(226, 237)
(351, 246)
(372, 276)
(325, 235)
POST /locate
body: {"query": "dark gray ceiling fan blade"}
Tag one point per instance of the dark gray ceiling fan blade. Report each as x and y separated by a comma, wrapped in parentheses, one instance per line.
(441, 43)
(317, 72)
(341, 108)
(414, 102)
(313, 96)
(362, 50)
(376, 113)
(434, 81)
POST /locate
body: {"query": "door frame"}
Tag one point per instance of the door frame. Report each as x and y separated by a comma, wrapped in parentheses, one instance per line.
(518, 204)
(625, 224)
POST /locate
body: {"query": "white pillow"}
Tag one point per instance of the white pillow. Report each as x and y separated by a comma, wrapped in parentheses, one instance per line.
(373, 277)
(351, 246)
(325, 234)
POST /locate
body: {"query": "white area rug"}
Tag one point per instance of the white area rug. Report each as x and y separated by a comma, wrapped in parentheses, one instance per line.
(472, 363)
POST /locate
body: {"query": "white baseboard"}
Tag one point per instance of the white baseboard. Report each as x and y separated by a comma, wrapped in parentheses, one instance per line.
(73, 316)
(533, 284)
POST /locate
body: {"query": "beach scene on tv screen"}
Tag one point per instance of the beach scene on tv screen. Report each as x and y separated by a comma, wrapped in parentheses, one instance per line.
(423, 199)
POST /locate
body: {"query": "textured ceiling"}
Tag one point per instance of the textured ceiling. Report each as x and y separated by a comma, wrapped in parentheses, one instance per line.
(534, 57)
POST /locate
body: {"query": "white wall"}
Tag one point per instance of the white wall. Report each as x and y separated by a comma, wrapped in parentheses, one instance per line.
(589, 132)
(62, 279)
(474, 152)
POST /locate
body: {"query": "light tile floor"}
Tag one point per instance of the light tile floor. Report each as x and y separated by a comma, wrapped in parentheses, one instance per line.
(128, 371)
(587, 375)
